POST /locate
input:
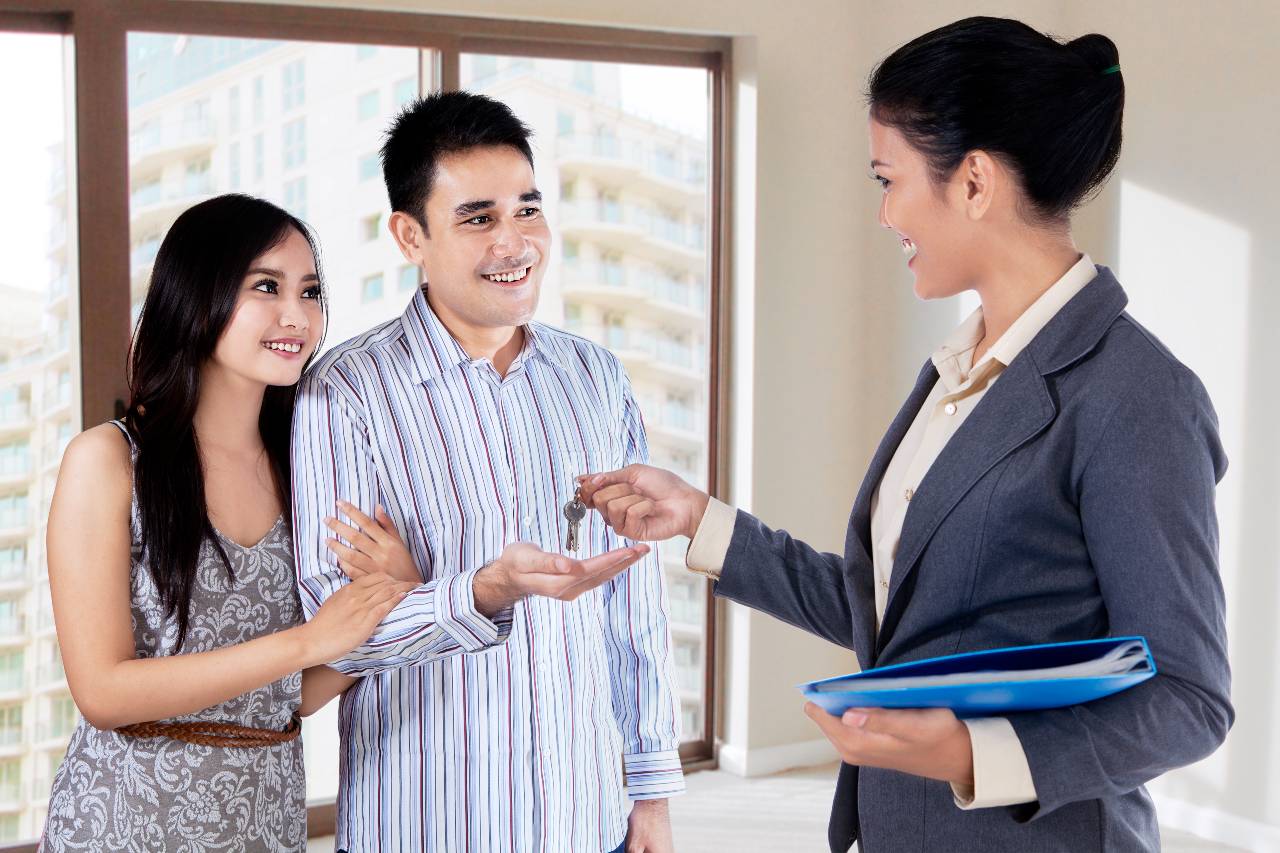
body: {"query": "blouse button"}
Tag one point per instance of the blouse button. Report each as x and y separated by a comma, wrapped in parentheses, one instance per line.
(949, 408)
(908, 494)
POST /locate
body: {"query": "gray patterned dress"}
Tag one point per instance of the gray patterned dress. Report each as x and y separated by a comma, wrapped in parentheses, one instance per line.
(114, 792)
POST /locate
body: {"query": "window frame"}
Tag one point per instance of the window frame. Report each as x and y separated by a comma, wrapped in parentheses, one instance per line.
(100, 199)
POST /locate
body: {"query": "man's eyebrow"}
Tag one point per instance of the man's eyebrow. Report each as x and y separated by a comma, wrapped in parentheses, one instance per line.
(469, 208)
(531, 195)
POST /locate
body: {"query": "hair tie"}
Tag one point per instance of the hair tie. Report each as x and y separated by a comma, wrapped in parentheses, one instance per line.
(1112, 70)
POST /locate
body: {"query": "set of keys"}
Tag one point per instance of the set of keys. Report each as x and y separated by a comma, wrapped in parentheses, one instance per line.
(574, 511)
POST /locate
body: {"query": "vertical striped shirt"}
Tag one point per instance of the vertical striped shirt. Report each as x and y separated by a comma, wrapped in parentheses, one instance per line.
(470, 733)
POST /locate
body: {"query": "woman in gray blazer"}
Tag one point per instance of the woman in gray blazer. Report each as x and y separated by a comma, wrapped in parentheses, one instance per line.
(1050, 477)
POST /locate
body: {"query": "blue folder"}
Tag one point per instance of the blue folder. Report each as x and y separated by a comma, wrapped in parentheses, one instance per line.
(837, 695)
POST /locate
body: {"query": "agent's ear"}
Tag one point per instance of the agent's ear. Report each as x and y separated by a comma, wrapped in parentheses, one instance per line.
(979, 178)
(409, 235)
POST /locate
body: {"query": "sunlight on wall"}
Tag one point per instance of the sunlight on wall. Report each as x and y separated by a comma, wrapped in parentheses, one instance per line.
(1187, 276)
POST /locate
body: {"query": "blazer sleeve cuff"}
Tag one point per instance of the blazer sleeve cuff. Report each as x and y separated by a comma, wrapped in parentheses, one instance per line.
(711, 541)
(1001, 775)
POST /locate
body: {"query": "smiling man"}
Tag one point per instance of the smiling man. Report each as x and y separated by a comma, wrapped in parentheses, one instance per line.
(507, 700)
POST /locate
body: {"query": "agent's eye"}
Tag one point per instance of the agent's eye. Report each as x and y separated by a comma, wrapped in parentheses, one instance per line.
(312, 292)
(482, 219)
(267, 286)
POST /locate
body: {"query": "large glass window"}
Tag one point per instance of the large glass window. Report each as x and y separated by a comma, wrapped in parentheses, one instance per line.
(621, 154)
(39, 404)
(300, 123)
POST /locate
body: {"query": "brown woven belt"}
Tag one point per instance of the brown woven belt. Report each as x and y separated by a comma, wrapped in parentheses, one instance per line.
(210, 733)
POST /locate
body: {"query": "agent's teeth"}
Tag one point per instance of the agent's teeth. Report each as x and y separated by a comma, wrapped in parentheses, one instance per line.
(283, 347)
(509, 276)
(908, 248)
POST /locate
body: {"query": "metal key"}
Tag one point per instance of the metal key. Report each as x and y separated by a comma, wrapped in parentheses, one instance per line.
(574, 511)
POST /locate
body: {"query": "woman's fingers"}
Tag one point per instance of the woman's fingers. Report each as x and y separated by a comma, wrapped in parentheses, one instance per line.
(385, 522)
(353, 558)
(356, 536)
(617, 510)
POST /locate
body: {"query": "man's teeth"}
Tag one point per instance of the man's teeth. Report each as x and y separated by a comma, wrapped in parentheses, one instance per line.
(283, 347)
(509, 276)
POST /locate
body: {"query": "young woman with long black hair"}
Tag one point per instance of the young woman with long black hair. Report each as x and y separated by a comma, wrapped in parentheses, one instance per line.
(171, 562)
(1050, 478)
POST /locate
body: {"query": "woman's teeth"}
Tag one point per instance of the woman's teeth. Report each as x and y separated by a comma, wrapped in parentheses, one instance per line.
(508, 277)
(908, 248)
(283, 347)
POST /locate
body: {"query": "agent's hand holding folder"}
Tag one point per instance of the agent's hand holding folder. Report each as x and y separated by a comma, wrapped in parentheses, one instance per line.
(993, 682)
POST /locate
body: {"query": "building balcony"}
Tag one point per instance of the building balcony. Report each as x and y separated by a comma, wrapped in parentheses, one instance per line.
(676, 178)
(625, 287)
(53, 734)
(13, 525)
(59, 294)
(14, 471)
(11, 796)
(50, 676)
(156, 144)
(44, 621)
(12, 741)
(15, 417)
(14, 573)
(13, 682)
(13, 630)
(634, 230)
(610, 285)
(154, 207)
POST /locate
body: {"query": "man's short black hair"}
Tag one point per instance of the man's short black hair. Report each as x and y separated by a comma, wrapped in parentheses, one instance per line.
(438, 125)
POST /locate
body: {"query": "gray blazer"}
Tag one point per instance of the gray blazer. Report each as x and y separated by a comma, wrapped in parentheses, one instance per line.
(1075, 502)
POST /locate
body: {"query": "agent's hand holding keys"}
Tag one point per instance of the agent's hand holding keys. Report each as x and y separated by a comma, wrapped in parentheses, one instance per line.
(645, 503)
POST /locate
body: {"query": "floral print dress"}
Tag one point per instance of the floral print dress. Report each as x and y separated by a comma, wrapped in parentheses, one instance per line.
(115, 792)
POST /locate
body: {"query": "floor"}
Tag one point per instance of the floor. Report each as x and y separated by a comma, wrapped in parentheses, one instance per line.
(770, 814)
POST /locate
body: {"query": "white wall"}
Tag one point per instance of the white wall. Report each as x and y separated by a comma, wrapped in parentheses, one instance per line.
(830, 336)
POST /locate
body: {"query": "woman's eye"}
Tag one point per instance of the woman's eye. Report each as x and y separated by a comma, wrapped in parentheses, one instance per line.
(311, 293)
(267, 287)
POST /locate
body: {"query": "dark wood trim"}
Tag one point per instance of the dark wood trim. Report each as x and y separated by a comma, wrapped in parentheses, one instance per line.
(589, 52)
(322, 819)
(411, 29)
(449, 65)
(34, 22)
(101, 205)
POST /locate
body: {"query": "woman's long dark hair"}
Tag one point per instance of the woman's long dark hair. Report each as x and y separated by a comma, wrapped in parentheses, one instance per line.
(1052, 110)
(195, 281)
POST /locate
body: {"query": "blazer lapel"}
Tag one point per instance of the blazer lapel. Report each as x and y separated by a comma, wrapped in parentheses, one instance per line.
(1014, 410)
(860, 521)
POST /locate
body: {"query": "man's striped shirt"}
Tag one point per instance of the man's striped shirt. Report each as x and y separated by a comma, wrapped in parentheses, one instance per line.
(468, 733)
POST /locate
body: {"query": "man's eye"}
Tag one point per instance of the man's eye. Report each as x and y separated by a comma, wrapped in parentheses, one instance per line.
(478, 220)
(530, 211)
(267, 287)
